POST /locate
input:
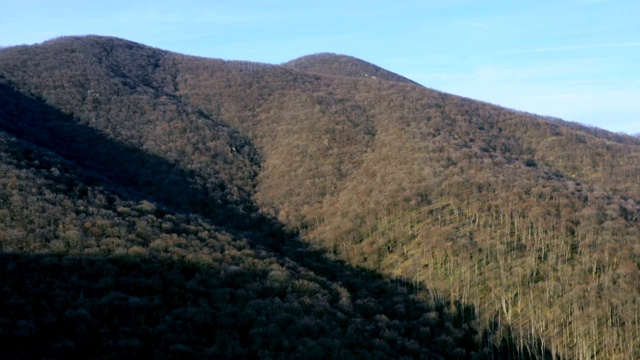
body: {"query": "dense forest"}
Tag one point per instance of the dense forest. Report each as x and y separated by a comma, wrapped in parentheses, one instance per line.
(162, 205)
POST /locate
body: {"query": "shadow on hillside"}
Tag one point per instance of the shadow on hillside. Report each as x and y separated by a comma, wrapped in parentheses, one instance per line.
(110, 162)
(85, 313)
(137, 307)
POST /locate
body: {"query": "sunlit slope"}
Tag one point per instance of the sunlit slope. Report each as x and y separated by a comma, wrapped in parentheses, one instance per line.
(532, 219)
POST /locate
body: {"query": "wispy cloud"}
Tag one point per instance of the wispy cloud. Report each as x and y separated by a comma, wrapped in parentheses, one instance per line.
(569, 48)
(470, 24)
(217, 18)
(591, 1)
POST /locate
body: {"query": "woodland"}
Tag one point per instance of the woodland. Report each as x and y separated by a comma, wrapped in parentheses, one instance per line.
(160, 205)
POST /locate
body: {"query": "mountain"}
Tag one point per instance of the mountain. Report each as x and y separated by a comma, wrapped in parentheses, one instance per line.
(160, 204)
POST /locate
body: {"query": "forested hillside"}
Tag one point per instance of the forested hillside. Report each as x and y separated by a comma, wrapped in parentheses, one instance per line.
(161, 204)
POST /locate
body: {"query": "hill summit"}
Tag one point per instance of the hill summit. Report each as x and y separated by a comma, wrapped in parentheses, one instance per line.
(156, 204)
(342, 65)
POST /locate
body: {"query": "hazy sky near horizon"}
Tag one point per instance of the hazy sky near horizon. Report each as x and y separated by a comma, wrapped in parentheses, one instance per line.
(578, 60)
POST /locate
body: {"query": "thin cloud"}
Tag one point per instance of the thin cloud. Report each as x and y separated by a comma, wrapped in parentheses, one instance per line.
(569, 48)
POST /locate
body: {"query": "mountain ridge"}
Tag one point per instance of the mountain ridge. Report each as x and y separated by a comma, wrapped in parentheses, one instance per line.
(431, 188)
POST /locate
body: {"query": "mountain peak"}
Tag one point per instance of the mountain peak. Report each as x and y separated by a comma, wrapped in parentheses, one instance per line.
(342, 65)
(75, 40)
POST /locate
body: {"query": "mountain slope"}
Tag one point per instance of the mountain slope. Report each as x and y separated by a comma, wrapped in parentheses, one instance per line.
(88, 272)
(531, 221)
(111, 250)
(104, 264)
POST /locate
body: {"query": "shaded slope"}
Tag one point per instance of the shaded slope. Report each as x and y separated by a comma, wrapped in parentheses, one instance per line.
(115, 280)
(124, 91)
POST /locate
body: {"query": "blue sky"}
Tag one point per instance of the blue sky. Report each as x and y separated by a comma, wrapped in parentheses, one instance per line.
(578, 60)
